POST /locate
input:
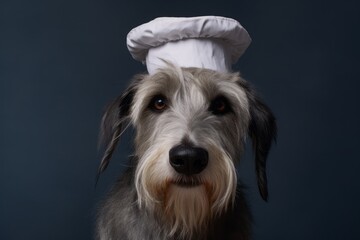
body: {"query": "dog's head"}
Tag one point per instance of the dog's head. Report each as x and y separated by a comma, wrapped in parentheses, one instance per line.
(191, 125)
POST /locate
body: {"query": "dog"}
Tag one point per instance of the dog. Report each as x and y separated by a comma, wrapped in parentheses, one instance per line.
(191, 125)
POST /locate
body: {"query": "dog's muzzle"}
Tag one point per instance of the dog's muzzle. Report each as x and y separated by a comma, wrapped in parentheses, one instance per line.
(188, 160)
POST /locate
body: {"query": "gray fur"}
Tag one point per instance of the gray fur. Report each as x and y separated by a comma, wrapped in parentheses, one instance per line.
(147, 203)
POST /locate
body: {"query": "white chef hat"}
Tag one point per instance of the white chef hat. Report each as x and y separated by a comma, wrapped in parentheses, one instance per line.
(205, 42)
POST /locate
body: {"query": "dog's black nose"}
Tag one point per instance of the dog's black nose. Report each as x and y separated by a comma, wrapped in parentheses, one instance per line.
(188, 160)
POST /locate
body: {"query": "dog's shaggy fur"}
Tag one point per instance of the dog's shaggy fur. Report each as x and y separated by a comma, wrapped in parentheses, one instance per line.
(195, 109)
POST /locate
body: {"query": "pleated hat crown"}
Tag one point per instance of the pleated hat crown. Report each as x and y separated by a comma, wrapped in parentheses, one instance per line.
(210, 42)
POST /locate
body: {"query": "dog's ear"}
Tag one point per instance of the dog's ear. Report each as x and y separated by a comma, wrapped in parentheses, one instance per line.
(263, 131)
(113, 124)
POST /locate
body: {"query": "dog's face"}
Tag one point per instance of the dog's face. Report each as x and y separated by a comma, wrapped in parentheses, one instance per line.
(191, 125)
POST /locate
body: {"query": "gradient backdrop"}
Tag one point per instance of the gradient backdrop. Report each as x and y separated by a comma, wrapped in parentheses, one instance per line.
(61, 62)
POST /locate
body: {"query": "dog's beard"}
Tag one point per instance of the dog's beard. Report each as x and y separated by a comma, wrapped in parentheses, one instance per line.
(186, 210)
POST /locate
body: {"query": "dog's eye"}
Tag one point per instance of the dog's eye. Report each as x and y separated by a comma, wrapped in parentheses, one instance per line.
(158, 103)
(220, 106)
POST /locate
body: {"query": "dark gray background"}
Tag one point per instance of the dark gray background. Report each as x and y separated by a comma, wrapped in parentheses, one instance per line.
(62, 61)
